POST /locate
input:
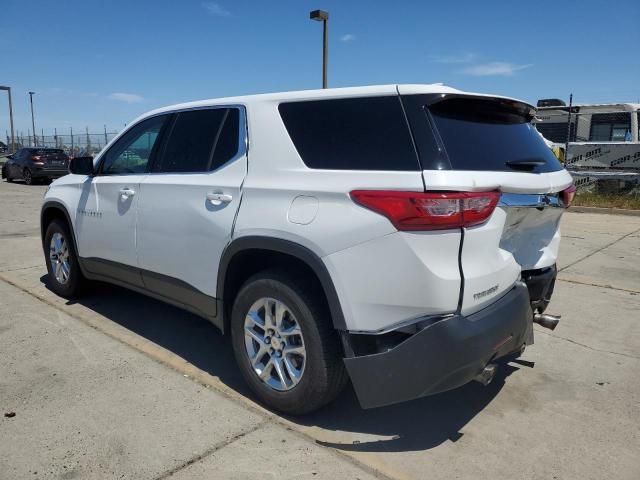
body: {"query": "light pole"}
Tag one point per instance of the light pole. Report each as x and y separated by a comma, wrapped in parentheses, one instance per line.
(33, 123)
(322, 16)
(13, 140)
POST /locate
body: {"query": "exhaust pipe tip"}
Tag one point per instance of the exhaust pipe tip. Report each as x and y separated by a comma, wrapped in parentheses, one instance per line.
(486, 375)
(547, 321)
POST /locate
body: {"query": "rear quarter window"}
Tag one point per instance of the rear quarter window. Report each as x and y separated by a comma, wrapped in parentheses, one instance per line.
(368, 133)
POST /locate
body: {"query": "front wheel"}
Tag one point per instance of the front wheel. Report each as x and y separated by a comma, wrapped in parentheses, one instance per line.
(64, 275)
(285, 344)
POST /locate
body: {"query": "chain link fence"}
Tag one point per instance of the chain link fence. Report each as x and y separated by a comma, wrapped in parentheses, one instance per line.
(74, 144)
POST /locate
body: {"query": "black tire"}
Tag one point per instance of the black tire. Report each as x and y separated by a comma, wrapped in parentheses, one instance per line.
(72, 287)
(27, 176)
(5, 174)
(324, 373)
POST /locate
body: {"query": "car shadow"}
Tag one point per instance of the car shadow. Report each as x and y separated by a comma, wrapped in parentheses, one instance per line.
(411, 426)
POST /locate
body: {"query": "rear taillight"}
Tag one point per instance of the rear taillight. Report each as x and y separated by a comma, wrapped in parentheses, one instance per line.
(430, 210)
(568, 194)
(35, 158)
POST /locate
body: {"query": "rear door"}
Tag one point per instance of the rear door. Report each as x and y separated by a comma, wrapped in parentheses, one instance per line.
(473, 143)
(189, 202)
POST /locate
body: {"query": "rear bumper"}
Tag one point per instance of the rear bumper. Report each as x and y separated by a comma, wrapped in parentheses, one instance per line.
(49, 172)
(445, 354)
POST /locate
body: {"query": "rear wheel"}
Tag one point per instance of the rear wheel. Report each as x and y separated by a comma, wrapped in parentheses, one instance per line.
(27, 176)
(64, 274)
(285, 344)
(6, 176)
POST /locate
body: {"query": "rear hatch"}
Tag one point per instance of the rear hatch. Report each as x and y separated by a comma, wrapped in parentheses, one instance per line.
(478, 143)
(53, 159)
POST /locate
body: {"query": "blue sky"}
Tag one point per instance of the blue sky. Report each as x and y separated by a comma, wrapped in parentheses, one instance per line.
(95, 62)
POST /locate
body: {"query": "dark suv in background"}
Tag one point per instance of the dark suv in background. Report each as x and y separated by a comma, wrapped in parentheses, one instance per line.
(32, 164)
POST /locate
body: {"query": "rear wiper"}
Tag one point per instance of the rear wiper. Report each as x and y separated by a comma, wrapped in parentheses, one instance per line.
(525, 164)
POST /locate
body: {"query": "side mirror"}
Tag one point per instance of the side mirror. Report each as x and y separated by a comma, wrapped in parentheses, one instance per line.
(10, 157)
(81, 166)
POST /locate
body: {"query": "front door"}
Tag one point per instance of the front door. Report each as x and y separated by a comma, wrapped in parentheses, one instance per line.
(107, 212)
(188, 204)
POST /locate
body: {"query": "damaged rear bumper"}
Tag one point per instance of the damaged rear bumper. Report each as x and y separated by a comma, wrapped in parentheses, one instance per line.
(445, 354)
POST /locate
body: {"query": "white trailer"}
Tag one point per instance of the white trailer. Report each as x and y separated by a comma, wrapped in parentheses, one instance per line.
(602, 142)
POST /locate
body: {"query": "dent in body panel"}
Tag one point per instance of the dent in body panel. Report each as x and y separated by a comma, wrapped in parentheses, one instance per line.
(532, 236)
(413, 275)
(512, 182)
(485, 264)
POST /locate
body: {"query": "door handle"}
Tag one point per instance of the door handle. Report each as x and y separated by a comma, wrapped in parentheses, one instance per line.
(219, 198)
(127, 192)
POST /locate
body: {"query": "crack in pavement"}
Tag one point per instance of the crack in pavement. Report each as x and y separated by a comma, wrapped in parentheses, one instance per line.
(21, 268)
(610, 287)
(19, 235)
(598, 250)
(177, 364)
(210, 451)
(628, 355)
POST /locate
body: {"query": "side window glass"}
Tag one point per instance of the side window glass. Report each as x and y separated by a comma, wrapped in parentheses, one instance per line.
(228, 140)
(200, 141)
(132, 152)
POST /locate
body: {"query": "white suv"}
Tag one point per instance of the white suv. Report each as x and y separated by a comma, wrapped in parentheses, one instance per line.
(404, 237)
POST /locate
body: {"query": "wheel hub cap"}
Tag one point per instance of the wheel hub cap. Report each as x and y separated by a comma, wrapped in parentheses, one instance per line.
(274, 344)
(59, 258)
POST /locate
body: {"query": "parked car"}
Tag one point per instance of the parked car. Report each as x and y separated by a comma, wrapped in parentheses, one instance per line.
(404, 237)
(33, 164)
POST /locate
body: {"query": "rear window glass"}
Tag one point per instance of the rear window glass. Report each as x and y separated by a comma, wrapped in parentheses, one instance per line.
(48, 151)
(351, 134)
(491, 135)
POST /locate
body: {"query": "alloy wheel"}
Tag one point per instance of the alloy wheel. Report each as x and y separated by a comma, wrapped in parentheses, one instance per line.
(274, 344)
(59, 258)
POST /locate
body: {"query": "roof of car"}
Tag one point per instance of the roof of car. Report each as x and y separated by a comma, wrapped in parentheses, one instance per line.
(319, 94)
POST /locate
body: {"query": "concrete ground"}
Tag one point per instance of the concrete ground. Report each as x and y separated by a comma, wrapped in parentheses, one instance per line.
(117, 385)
